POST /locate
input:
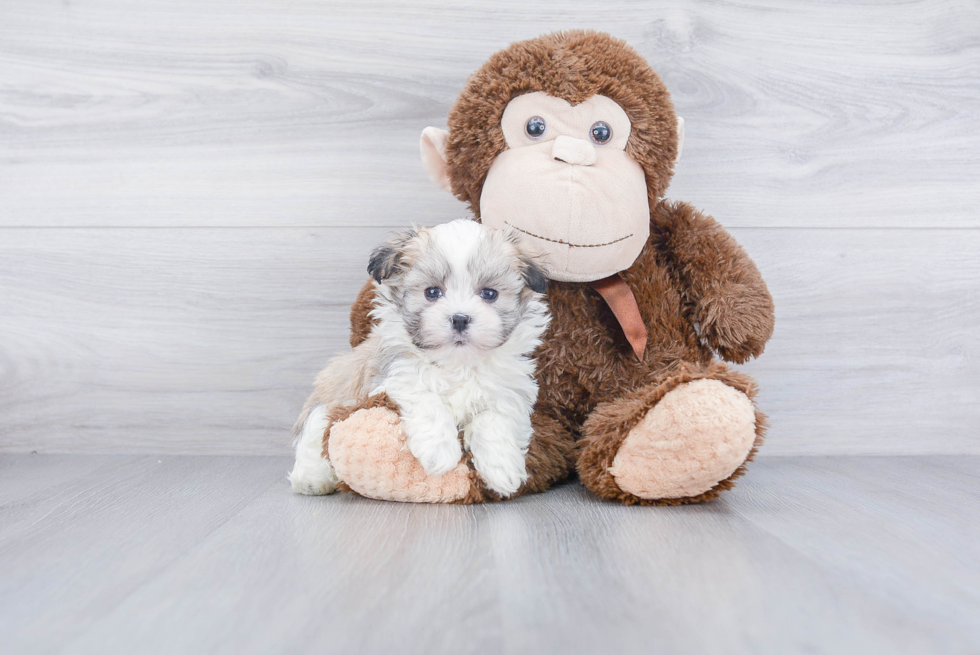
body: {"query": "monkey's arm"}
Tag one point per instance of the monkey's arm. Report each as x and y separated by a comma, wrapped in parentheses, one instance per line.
(360, 322)
(730, 301)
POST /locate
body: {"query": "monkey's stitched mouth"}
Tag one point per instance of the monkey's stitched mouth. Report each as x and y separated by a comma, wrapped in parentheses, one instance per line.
(565, 243)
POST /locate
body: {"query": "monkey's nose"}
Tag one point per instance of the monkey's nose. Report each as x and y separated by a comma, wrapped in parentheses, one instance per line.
(460, 321)
(570, 150)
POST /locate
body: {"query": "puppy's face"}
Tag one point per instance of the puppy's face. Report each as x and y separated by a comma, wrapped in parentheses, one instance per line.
(458, 286)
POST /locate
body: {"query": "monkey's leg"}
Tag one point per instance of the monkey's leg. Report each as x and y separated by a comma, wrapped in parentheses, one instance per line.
(550, 455)
(369, 451)
(683, 439)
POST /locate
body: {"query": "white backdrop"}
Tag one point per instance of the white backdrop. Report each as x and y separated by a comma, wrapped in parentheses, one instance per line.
(189, 192)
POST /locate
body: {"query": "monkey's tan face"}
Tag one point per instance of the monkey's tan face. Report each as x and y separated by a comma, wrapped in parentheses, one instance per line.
(566, 183)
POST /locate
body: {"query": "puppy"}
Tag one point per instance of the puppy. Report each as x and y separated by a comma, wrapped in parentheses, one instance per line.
(458, 311)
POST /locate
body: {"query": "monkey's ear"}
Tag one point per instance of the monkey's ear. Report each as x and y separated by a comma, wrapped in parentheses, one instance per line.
(680, 138)
(534, 277)
(433, 146)
(389, 259)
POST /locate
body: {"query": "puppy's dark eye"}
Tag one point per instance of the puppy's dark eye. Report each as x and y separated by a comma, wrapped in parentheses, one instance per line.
(600, 132)
(433, 293)
(488, 294)
(535, 127)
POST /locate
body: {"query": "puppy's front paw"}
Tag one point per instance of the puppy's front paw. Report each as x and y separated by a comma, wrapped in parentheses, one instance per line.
(438, 454)
(503, 469)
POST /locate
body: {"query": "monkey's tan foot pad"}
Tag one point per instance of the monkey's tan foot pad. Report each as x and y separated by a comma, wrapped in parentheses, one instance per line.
(695, 437)
(370, 453)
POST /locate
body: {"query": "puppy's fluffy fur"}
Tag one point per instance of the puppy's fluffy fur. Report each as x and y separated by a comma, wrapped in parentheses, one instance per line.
(459, 310)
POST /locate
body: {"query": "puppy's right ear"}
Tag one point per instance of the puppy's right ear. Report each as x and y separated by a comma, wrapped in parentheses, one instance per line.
(383, 262)
(389, 259)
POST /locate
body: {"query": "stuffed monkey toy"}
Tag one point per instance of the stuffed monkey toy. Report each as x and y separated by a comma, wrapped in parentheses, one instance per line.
(571, 139)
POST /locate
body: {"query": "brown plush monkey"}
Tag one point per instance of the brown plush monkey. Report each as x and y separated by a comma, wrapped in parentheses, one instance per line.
(571, 139)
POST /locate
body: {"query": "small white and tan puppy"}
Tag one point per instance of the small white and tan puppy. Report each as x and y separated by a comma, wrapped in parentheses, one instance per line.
(458, 310)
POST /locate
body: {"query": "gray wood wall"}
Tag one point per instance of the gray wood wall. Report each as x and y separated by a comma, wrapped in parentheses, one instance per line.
(189, 191)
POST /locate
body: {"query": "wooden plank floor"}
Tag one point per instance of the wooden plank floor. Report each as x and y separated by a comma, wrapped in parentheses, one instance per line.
(171, 554)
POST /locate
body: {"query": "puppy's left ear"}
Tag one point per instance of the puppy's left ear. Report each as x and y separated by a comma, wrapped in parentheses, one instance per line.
(534, 277)
(389, 259)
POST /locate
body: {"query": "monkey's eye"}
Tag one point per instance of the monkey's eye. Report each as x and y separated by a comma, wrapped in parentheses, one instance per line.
(433, 293)
(488, 294)
(535, 127)
(600, 132)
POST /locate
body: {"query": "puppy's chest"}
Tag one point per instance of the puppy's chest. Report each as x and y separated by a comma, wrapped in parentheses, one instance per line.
(466, 398)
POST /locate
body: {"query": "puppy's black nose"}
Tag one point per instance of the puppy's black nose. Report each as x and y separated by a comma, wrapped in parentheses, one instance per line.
(460, 321)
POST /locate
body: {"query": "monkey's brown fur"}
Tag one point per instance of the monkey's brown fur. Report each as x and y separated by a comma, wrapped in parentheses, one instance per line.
(573, 66)
(691, 272)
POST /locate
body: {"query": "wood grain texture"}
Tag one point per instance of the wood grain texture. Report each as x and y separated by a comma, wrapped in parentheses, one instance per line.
(189, 191)
(219, 113)
(169, 340)
(215, 554)
(206, 340)
(874, 349)
(136, 516)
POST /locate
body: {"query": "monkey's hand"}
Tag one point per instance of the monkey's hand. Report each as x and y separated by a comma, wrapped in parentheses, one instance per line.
(369, 450)
(731, 305)
(736, 320)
